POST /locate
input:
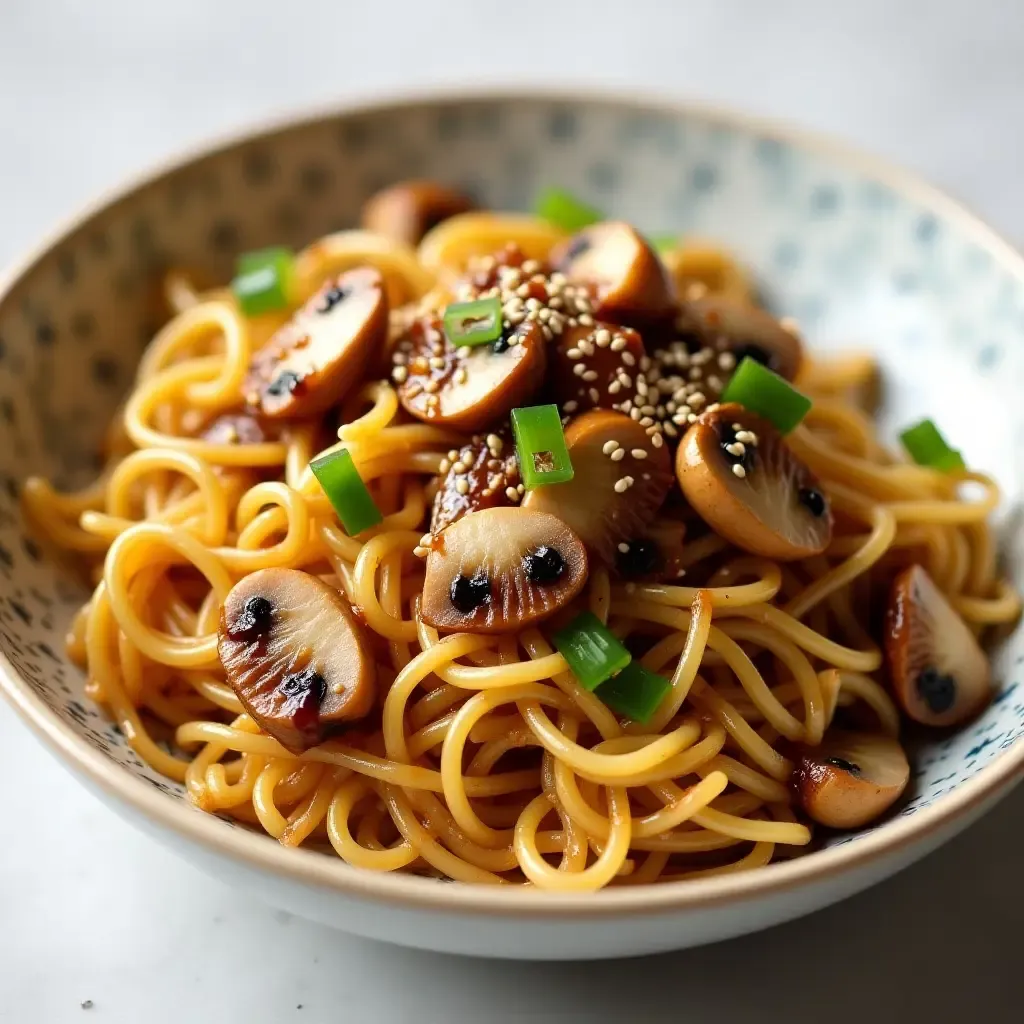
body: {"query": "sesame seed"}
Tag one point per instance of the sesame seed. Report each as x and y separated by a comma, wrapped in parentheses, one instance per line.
(444, 467)
(657, 440)
(727, 361)
(618, 344)
(414, 390)
(614, 388)
(625, 379)
(436, 363)
(459, 467)
(623, 547)
(629, 359)
(618, 455)
(586, 319)
(520, 488)
(571, 406)
(739, 471)
(589, 375)
(462, 486)
(609, 446)
(646, 421)
(511, 493)
(595, 395)
(579, 369)
(621, 486)
(634, 413)
(574, 353)
(648, 410)
(431, 387)
(420, 552)
(399, 374)
(427, 539)
(670, 430)
(433, 401)
(736, 448)
(639, 453)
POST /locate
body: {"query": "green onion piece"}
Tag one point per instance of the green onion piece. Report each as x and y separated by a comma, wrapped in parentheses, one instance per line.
(758, 389)
(565, 211)
(346, 491)
(473, 323)
(592, 650)
(635, 692)
(665, 243)
(927, 447)
(263, 280)
(540, 444)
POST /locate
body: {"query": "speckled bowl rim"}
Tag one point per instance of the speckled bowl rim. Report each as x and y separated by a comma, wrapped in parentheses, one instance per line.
(318, 869)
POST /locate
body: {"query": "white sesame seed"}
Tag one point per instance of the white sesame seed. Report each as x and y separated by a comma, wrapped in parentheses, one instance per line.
(646, 421)
(634, 413)
(459, 467)
(670, 430)
(579, 369)
(625, 379)
(727, 361)
(657, 440)
(431, 387)
(574, 353)
(590, 375)
(621, 486)
(511, 493)
(420, 552)
(571, 406)
(399, 374)
(629, 359)
(436, 363)
(618, 455)
(618, 343)
(639, 453)
(623, 547)
(739, 471)
(586, 319)
(595, 395)
(648, 410)
(614, 388)
(521, 488)
(736, 448)
(609, 446)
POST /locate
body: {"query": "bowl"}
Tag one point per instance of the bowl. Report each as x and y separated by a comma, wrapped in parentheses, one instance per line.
(861, 254)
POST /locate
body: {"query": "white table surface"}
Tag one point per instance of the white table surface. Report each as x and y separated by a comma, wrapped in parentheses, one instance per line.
(89, 91)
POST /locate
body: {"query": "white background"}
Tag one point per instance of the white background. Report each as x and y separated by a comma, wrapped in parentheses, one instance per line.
(90, 91)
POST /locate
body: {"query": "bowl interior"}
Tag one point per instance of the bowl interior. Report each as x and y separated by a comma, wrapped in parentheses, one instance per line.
(858, 260)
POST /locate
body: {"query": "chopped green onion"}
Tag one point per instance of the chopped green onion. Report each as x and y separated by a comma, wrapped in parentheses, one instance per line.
(346, 491)
(635, 692)
(592, 650)
(540, 444)
(927, 447)
(760, 390)
(565, 211)
(473, 323)
(263, 280)
(665, 243)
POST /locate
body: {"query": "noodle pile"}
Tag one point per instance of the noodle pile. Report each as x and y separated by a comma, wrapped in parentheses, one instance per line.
(488, 762)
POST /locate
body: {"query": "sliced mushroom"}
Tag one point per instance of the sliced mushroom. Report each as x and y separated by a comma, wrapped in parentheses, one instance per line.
(295, 656)
(311, 362)
(479, 475)
(851, 778)
(596, 367)
(467, 387)
(627, 280)
(939, 673)
(655, 556)
(725, 325)
(499, 569)
(739, 475)
(237, 428)
(621, 477)
(408, 210)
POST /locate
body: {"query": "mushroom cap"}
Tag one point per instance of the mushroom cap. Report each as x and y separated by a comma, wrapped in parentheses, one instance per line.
(407, 210)
(314, 359)
(281, 624)
(851, 778)
(489, 551)
(478, 478)
(939, 673)
(769, 507)
(595, 366)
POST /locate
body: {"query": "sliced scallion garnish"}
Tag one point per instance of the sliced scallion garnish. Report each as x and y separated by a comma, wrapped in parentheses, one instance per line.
(473, 323)
(540, 445)
(263, 280)
(592, 650)
(635, 692)
(927, 447)
(760, 390)
(346, 491)
(565, 211)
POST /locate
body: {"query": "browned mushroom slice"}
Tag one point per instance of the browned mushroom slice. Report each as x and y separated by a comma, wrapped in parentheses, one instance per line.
(939, 673)
(408, 210)
(500, 569)
(621, 477)
(655, 556)
(467, 387)
(851, 778)
(482, 474)
(596, 366)
(741, 478)
(723, 325)
(295, 656)
(237, 428)
(311, 362)
(627, 279)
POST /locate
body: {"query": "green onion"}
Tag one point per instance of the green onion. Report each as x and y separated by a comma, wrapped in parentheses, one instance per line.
(635, 692)
(346, 491)
(473, 323)
(758, 389)
(665, 243)
(927, 447)
(540, 444)
(263, 280)
(565, 211)
(592, 650)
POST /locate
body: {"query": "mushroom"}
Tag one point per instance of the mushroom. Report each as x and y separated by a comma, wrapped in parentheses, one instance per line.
(295, 656)
(482, 474)
(409, 209)
(500, 569)
(939, 674)
(626, 278)
(311, 362)
(596, 366)
(656, 556)
(850, 779)
(467, 387)
(725, 325)
(237, 428)
(621, 477)
(740, 477)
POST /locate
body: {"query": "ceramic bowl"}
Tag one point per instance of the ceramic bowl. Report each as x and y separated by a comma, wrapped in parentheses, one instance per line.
(860, 254)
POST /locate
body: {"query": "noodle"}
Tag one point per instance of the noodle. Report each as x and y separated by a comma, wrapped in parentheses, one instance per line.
(485, 760)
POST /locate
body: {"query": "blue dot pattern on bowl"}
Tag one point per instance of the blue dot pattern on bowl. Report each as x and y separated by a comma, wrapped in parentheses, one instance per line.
(857, 261)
